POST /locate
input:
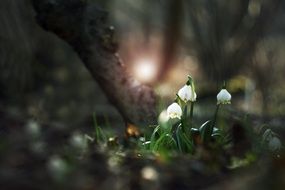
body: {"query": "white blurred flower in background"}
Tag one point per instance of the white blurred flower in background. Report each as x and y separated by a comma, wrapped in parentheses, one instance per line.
(274, 144)
(163, 117)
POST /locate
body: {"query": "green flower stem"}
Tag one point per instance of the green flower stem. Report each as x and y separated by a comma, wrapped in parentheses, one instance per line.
(185, 111)
(178, 138)
(184, 118)
(215, 116)
(191, 114)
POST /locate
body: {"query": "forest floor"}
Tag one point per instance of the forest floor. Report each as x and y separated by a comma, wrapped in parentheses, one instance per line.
(51, 157)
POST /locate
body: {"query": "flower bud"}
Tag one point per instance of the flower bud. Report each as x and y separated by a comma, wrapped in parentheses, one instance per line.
(274, 144)
(174, 111)
(186, 94)
(224, 97)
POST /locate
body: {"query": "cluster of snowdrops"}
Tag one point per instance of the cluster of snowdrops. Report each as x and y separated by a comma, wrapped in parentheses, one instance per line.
(177, 130)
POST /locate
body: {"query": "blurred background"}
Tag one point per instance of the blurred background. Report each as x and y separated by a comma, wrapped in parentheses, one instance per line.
(161, 42)
(240, 42)
(42, 80)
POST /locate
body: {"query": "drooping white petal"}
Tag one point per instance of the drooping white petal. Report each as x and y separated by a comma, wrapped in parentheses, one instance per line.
(186, 94)
(163, 117)
(224, 97)
(174, 111)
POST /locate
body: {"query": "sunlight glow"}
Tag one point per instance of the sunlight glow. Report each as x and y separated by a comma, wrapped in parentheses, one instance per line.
(145, 70)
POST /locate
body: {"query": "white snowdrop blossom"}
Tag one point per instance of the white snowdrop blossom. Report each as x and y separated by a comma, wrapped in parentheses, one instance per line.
(174, 111)
(163, 117)
(274, 144)
(186, 94)
(224, 97)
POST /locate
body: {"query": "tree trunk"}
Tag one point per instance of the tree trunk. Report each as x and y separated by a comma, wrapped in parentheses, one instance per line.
(84, 26)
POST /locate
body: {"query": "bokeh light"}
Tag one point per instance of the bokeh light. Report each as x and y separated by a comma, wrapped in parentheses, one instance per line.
(145, 70)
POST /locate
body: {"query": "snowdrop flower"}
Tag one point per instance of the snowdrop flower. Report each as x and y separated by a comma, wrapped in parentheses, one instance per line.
(274, 144)
(224, 97)
(186, 94)
(163, 117)
(174, 111)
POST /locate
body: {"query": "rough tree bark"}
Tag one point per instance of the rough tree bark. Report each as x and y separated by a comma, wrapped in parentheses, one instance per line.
(84, 27)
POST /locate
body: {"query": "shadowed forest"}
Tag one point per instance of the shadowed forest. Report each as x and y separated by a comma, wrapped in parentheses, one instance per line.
(144, 94)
